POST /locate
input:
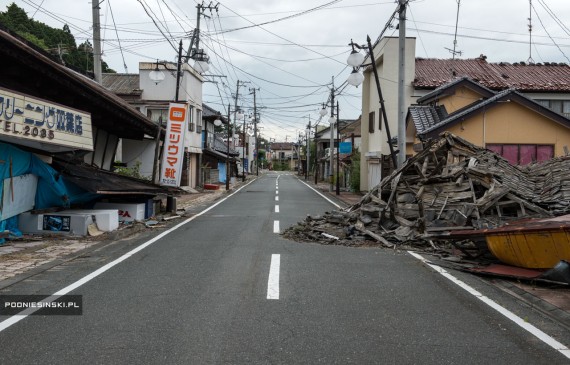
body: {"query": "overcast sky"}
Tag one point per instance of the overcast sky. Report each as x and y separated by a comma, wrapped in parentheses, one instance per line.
(291, 49)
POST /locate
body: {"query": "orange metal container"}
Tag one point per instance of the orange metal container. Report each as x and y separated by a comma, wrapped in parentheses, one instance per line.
(529, 243)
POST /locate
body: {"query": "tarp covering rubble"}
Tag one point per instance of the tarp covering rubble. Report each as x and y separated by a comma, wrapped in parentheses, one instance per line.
(52, 188)
(450, 185)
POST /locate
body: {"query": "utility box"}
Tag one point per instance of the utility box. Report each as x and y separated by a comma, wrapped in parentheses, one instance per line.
(128, 212)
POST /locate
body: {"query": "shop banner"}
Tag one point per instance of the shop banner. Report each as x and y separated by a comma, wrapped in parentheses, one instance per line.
(173, 150)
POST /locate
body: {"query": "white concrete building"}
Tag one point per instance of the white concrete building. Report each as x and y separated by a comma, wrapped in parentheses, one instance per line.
(152, 99)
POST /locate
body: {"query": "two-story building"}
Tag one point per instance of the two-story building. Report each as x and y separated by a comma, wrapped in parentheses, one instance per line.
(152, 99)
(546, 83)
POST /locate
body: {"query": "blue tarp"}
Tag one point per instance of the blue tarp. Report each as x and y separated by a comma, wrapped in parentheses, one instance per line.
(222, 171)
(52, 191)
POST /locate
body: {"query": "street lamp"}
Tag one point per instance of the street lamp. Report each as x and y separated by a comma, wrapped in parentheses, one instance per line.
(156, 75)
(355, 59)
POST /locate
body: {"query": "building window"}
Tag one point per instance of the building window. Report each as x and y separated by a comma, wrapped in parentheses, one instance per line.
(523, 154)
(158, 116)
(558, 106)
(198, 121)
(371, 118)
(190, 118)
(566, 109)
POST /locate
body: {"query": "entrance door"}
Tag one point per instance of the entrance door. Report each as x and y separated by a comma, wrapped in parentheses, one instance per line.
(374, 173)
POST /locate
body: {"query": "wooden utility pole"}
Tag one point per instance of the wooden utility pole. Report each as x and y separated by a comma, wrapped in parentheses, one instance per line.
(97, 42)
(255, 132)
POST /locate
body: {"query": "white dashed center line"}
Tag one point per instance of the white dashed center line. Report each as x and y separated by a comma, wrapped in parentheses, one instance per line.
(275, 226)
(276, 198)
(277, 209)
(273, 281)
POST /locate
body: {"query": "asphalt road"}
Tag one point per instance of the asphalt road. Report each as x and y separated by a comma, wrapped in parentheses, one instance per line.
(226, 288)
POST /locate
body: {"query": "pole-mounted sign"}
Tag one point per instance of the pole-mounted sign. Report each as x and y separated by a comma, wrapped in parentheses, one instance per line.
(173, 151)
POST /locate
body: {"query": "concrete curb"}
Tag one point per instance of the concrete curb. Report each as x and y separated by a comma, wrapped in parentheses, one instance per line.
(534, 302)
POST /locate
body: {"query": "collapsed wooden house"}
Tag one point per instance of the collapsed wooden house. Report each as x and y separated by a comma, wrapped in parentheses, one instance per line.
(450, 185)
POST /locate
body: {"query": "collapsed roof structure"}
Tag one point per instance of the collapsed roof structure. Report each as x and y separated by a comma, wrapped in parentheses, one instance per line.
(450, 185)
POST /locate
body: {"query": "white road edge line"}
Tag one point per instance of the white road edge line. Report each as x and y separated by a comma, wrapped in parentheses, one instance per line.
(547, 339)
(18, 317)
(273, 281)
(321, 194)
(275, 226)
(277, 209)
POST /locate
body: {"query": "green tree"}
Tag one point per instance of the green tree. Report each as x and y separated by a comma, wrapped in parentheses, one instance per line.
(355, 171)
(58, 42)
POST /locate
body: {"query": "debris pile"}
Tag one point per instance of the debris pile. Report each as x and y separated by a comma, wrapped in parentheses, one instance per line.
(450, 185)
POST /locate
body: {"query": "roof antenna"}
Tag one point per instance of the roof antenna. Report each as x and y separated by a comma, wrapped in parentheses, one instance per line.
(454, 51)
(530, 60)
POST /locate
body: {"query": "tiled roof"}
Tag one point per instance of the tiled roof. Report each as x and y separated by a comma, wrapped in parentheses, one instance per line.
(553, 77)
(221, 146)
(281, 146)
(426, 116)
(353, 127)
(122, 84)
(212, 114)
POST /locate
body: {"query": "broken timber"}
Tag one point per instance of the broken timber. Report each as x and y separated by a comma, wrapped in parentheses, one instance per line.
(450, 185)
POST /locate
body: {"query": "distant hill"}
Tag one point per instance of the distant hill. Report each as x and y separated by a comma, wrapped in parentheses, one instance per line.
(58, 42)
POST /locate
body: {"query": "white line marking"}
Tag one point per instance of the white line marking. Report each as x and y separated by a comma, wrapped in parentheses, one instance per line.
(273, 281)
(18, 317)
(276, 198)
(277, 192)
(277, 209)
(547, 339)
(318, 192)
(275, 226)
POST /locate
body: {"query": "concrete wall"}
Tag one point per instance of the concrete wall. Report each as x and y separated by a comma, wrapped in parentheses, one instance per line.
(386, 53)
(461, 98)
(513, 123)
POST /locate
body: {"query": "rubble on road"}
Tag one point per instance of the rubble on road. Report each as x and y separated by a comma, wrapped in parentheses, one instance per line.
(450, 185)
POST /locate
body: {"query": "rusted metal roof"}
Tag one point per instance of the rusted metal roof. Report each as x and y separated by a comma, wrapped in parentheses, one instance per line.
(104, 182)
(546, 77)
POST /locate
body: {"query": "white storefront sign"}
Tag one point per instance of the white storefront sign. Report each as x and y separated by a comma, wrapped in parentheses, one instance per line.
(32, 121)
(173, 151)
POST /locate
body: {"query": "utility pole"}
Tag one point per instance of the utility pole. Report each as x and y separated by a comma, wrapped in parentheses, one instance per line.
(228, 152)
(331, 132)
(401, 85)
(97, 42)
(300, 165)
(338, 150)
(194, 52)
(316, 157)
(238, 84)
(255, 132)
(308, 149)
